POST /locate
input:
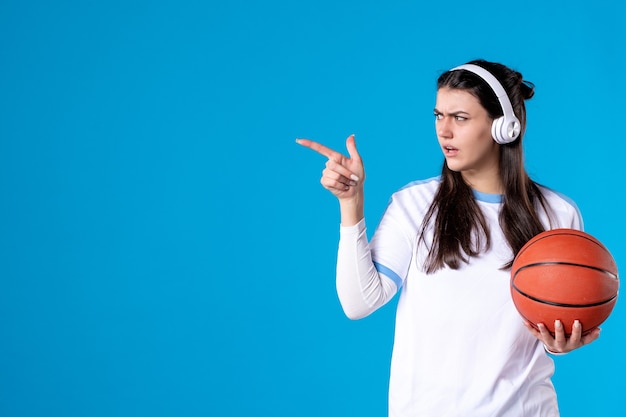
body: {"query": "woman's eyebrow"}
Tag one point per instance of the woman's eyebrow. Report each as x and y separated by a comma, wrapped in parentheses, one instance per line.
(454, 113)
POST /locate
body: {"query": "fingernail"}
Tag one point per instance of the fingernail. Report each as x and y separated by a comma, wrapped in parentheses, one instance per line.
(353, 183)
(557, 323)
(576, 323)
(354, 177)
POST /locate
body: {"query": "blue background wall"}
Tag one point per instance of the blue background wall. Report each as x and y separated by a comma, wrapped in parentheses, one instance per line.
(165, 246)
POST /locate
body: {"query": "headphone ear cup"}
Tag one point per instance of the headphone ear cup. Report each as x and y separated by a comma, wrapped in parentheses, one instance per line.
(496, 130)
(514, 129)
(504, 132)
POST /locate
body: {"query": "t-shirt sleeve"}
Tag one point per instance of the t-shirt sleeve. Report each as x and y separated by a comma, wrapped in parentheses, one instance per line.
(360, 287)
(393, 242)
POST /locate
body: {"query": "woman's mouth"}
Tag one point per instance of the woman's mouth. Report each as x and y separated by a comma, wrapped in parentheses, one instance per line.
(450, 150)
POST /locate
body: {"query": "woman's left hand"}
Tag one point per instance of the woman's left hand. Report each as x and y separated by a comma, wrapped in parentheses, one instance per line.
(559, 343)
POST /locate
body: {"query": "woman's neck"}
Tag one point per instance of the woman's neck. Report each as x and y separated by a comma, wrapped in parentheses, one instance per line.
(487, 183)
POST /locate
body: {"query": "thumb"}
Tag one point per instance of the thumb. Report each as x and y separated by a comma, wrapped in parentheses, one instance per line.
(351, 145)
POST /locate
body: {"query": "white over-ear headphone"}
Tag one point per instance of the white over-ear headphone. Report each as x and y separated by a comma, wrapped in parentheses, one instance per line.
(505, 129)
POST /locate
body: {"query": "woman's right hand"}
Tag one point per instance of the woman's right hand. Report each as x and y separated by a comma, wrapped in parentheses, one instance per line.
(343, 176)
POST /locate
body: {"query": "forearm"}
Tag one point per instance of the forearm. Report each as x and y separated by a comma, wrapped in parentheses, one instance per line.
(360, 287)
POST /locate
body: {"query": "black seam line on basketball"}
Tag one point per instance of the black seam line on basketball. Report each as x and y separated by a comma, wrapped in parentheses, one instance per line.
(609, 273)
(552, 303)
(567, 233)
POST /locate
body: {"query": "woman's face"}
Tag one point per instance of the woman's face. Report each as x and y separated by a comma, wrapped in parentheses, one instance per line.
(463, 129)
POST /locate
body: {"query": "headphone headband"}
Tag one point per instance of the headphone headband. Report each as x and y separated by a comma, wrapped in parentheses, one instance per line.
(504, 129)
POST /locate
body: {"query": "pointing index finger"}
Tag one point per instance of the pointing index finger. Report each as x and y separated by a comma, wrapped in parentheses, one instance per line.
(321, 149)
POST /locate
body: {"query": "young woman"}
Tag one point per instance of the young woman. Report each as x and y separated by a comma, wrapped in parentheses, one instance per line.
(460, 348)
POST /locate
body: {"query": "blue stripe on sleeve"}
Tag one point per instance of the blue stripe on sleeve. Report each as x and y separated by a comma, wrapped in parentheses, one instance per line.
(388, 272)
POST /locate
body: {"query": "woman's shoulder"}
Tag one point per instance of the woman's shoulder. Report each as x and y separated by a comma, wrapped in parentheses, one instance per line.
(563, 207)
(408, 205)
(419, 193)
(557, 198)
(428, 186)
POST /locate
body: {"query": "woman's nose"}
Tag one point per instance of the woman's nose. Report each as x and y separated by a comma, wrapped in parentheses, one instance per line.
(443, 128)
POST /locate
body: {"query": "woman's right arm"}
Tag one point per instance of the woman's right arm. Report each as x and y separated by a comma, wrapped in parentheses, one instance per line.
(361, 289)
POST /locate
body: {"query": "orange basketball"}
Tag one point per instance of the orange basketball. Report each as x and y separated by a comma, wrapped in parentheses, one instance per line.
(567, 275)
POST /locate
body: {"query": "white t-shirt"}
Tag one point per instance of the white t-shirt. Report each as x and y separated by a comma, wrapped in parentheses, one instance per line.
(460, 347)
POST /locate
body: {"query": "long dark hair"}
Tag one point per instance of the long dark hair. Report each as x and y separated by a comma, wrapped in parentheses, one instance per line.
(460, 229)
